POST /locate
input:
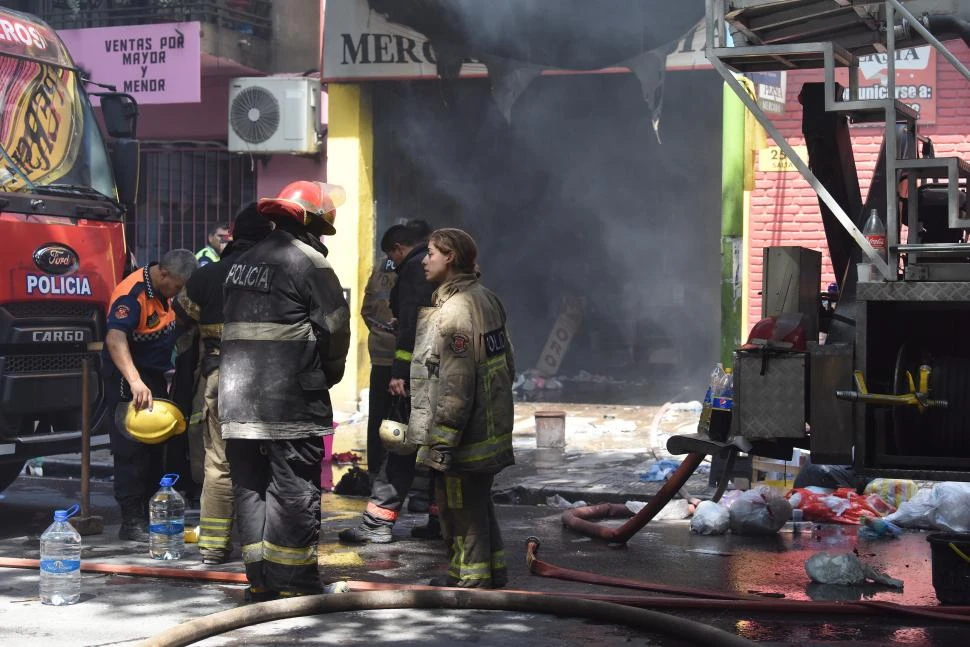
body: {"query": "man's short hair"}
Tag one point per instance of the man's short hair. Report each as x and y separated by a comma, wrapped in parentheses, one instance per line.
(179, 263)
(408, 234)
(216, 227)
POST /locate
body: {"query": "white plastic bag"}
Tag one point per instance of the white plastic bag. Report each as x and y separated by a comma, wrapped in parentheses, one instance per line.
(710, 519)
(946, 506)
(759, 512)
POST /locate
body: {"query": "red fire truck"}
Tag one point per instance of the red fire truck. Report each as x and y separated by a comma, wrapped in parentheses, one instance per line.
(62, 239)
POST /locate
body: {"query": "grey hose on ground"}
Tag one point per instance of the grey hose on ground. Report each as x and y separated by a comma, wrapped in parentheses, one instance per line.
(651, 621)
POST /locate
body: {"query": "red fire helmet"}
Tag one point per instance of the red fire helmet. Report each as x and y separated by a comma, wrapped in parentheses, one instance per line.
(784, 332)
(313, 204)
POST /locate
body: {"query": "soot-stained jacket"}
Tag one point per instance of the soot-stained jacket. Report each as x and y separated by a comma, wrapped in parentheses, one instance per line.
(284, 341)
(461, 381)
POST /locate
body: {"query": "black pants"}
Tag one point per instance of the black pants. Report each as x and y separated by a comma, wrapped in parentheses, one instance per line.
(389, 490)
(380, 377)
(276, 491)
(137, 467)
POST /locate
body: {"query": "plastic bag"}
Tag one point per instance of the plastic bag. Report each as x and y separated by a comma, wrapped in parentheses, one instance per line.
(894, 491)
(842, 506)
(759, 512)
(710, 519)
(845, 568)
(946, 506)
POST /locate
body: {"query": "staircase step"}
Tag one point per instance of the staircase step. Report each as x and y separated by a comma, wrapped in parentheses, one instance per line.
(867, 111)
(766, 58)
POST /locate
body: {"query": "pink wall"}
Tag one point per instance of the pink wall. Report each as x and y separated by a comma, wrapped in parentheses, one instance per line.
(280, 170)
(187, 121)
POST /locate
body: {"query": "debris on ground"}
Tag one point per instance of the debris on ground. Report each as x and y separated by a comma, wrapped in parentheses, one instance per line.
(761, 511)
(845, 568)
(556, 501)
(945, 506)
(675, 510)
(843, 505)
(879, 529)
(663, 468)
(710, 518)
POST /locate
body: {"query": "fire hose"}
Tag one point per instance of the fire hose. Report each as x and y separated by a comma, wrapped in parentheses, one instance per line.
(578, 519)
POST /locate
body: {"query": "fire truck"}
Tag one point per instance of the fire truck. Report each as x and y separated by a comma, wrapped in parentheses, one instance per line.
(62, 210)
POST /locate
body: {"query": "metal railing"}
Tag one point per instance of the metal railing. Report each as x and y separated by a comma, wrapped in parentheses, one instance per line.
(251, 17)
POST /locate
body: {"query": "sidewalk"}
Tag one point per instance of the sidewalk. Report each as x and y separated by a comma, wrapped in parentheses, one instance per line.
(608, 448)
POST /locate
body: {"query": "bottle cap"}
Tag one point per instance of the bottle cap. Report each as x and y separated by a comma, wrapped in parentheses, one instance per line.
(169, 480)
(64, 515)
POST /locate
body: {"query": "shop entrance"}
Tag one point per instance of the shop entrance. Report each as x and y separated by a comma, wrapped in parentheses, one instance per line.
(575, 199)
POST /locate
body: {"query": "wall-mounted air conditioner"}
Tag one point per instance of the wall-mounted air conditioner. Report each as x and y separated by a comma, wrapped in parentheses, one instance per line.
(274, 115)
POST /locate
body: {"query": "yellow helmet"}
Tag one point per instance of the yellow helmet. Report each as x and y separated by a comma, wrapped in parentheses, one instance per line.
(155, 425)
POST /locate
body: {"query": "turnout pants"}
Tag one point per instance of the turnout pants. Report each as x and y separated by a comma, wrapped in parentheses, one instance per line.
(378, 400)
(389, 490)
(217, 500)
(470, 527)
(137, 466)
(276, 488)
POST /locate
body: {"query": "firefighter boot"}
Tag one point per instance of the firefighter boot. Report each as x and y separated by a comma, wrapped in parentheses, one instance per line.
(134, 526)
(366, 533)
(432, 530)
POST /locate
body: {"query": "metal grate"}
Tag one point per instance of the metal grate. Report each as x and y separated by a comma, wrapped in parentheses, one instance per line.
(183, 191)
(50, 309)
(21, 364)
(251, 17)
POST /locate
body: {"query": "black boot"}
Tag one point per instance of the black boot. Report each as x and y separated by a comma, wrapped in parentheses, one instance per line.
(430, 531)
(364, 534)
(133, 528)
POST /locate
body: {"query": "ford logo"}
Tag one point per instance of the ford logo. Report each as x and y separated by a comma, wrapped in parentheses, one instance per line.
(55, 258)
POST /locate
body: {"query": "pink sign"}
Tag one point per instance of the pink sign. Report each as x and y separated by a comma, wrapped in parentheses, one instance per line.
(153, 63)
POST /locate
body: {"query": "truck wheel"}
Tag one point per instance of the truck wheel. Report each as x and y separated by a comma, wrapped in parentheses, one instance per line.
(9, 473)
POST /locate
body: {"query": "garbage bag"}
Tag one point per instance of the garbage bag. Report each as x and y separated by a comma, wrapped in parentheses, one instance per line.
(945, 506)
(845, 568)
(759, 512)
(710, 519)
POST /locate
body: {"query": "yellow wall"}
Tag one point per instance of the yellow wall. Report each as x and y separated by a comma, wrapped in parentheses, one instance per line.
(350, 163)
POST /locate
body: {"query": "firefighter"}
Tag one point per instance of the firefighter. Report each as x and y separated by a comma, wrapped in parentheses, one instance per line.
(137, 353)
(461, 405)
(376, 311)
(284, 345)
(200, 303)
(406, 246)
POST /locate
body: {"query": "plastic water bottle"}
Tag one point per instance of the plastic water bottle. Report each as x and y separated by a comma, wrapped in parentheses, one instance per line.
(723, 396)
(704, 423)
(166, 521)
(60, 561)
(875, 233)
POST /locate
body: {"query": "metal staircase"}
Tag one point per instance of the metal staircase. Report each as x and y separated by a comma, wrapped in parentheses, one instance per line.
(771, 35)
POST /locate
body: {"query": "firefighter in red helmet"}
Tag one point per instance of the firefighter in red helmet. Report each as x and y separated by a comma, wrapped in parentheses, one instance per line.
(284, 345)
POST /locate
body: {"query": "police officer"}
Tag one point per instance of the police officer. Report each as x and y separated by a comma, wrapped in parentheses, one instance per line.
(406, 246)
(200, 303)
(137, 353)
(461, 405)
(284, 345)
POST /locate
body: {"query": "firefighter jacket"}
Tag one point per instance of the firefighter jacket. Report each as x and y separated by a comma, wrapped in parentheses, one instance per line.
(461, 381)
(201, 302)
(376, 311)
(411, 293)
(284, 340)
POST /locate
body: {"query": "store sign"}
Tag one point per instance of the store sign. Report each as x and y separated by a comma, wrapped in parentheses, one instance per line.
(153, 63)
(915, 79)
(360, 44)
(769, 90)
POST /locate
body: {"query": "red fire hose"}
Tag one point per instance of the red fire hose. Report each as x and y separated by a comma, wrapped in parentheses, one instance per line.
(578, 519)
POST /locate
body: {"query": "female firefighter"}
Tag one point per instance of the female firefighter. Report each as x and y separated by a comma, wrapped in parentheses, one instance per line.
(461, 397)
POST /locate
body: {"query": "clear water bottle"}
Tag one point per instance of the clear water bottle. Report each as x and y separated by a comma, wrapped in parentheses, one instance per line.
(875, 232)
(704, 424)
(166, 521)
(60, 561)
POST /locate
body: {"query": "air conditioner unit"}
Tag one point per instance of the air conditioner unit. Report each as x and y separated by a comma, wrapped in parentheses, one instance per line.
(274, 115)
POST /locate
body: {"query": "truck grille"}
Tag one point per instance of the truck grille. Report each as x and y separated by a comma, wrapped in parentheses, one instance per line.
(20, 364)
(32, 309)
